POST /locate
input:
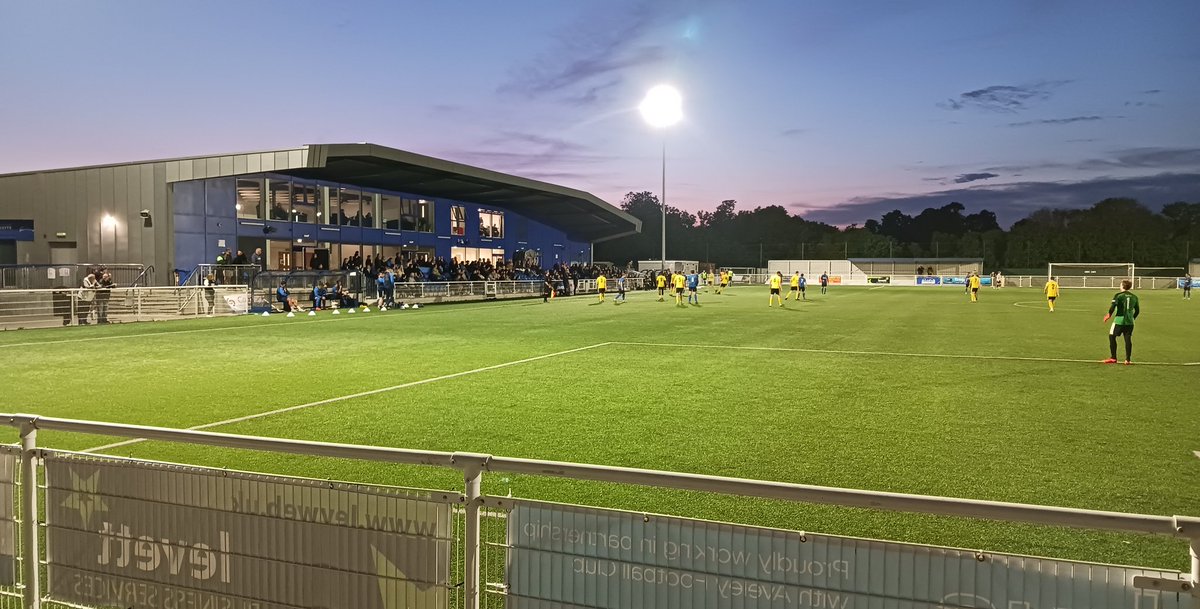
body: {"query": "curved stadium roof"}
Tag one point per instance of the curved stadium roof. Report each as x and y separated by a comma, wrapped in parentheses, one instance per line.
(581, 215)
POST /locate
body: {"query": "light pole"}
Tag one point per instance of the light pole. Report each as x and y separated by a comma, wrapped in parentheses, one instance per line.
(661, 108)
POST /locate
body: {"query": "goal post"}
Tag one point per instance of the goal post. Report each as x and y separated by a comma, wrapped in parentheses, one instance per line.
(1091, 274)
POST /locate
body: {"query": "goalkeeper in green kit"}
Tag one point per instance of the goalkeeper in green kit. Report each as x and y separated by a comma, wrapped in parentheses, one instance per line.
(1125, 307)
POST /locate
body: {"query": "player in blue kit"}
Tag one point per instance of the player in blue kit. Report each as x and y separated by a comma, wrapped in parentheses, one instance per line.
(693, 283)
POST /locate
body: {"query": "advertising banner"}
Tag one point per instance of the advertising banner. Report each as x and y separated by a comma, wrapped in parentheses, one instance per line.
(884, 279)
(954, 280)
(928, 280)
(9, 458)
(565, 556)
(1183, 283)
(138, 534)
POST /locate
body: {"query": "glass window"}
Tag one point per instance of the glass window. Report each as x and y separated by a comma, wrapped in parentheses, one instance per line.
(389, 209)
(458, 220)
(491, 224)
(304, 203)
(367, 209)
(349, 208)
(279, 193)
(408, 215)
(249, 198)
(329, 205)
(424, 216)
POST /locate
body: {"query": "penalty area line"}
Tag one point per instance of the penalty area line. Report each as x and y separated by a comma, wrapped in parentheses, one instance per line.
(1015, 358)
(360, 394)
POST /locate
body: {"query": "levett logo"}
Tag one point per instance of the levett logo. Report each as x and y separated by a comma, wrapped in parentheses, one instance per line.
(84, 498)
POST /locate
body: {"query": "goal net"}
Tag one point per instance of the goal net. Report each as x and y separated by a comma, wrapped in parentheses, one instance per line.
(1091, 274)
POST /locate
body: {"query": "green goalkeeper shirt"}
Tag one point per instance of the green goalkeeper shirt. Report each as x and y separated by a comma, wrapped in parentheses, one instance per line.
(1124, 308)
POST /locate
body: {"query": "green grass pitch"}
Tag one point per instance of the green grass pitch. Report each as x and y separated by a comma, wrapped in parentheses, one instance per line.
(894, 389)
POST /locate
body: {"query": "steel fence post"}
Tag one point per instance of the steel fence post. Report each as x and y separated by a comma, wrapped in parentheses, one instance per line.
(29, 519)
(1194, 544)
(472, 466)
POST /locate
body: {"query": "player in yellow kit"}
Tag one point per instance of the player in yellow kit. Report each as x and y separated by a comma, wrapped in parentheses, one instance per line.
(601, 285)
(678, 280)
(776, 283)
(661, 282)
(973, 284)
(1051, 291)
(795, 287)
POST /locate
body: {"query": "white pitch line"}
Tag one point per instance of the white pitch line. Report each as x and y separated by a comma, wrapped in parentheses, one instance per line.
(897, 354)
(358, 395)
(1033, 304)
(247, 326)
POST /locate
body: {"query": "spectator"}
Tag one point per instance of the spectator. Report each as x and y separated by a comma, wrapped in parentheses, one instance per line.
(103, 294)
(210, 294)
(256, 260)
(318, 296)
(87, 297)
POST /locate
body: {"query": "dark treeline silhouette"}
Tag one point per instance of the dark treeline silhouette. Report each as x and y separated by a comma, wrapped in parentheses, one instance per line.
(1113, 230)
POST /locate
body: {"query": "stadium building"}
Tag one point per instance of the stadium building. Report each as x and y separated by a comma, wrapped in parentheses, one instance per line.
(307, 208)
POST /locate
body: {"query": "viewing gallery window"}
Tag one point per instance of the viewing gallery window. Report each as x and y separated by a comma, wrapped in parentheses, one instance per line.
(491, 224)
(279, 196)
(458, 220)
(250, 198)
(389, 212)
(366, 215)
(304, 203)
(349, 207)
(417, 215)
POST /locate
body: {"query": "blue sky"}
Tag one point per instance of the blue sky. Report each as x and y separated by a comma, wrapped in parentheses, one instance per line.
(840, 111)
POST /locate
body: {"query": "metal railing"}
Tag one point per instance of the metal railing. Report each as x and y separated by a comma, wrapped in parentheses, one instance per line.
(78, 306)
(44, 276)
(473, 466)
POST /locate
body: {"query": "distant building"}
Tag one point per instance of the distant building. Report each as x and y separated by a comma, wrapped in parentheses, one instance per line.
(306, 207)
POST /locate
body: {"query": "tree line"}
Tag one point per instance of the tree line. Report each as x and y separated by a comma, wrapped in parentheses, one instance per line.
(1113, 230)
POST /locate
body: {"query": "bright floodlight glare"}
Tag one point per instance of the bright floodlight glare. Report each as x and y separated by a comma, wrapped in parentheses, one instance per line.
(108, 221)
(662, 107)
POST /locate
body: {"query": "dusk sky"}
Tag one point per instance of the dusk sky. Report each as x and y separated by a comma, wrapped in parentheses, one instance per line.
(838, 110)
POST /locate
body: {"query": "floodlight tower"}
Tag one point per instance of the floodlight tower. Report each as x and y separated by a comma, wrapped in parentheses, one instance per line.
(661, 108)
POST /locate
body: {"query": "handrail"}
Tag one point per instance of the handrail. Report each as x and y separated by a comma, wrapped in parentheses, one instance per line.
(149, 269)
(1176, 526)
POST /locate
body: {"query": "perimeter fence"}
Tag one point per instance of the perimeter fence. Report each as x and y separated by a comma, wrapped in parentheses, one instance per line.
(88, 530)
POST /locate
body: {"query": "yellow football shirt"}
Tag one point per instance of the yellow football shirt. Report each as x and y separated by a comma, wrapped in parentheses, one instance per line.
(1051, 289)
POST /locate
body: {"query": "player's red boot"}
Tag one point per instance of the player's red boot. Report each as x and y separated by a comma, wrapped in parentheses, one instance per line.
(1111, 360)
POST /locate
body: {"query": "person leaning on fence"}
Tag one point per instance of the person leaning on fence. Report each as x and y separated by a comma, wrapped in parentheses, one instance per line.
(103, 294)
(210, 294)
(87, 297)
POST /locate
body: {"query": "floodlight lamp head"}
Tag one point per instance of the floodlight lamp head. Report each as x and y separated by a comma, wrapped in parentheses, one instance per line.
(662, 106)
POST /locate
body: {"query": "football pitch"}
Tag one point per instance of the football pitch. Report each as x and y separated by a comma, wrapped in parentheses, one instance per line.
(912, 390)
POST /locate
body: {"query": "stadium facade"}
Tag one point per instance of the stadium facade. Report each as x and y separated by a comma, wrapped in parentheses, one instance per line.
(307, 208)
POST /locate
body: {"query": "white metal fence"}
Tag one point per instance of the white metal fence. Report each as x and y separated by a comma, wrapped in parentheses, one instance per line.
(119, 532)
(78, 306)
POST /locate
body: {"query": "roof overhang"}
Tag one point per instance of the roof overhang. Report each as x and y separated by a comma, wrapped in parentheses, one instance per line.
(582, 216)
